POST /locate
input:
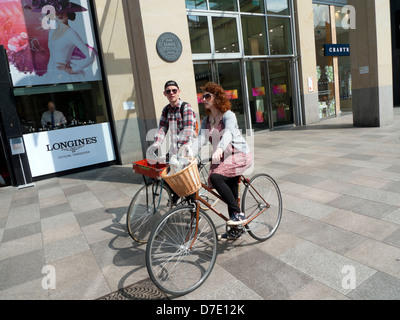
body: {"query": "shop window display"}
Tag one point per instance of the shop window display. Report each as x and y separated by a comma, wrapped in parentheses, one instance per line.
(53, 58)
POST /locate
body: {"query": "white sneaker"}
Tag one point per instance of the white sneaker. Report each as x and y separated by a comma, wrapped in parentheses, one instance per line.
(237, 219)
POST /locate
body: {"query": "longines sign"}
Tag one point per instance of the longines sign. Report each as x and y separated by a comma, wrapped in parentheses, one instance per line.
(72, 145)
(55, 151)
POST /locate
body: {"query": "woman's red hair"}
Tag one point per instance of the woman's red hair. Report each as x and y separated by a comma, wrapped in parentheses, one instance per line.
(222, 102)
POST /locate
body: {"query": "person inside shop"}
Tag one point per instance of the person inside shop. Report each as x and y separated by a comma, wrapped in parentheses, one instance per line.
(53, 118)
(231, 153)
(177, 118)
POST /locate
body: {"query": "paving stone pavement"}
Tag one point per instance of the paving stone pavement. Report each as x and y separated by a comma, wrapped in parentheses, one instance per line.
(341, 196)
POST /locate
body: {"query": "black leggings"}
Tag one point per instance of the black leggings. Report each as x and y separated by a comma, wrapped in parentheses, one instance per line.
(228, 189)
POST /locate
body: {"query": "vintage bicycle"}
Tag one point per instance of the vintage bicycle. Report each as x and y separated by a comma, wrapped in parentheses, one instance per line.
(182, 248)
(154, 198)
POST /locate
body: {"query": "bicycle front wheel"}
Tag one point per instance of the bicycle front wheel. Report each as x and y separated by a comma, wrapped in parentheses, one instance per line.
(178, 258)
(262, 195)
(146, 208)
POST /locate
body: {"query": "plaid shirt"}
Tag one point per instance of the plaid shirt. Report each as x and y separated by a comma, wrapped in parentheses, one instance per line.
(182, 130)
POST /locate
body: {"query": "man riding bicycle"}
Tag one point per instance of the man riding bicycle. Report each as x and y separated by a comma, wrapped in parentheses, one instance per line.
(177, 118)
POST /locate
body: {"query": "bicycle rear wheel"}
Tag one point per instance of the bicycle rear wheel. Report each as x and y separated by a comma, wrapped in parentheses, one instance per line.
(146, 208)
(174, 265)
(262, 194)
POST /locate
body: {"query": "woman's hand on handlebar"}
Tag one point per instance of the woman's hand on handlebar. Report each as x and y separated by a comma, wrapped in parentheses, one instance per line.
(216, 158)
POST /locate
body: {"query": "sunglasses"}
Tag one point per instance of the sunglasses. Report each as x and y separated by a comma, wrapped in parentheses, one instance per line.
(207, 96)
(175, 91)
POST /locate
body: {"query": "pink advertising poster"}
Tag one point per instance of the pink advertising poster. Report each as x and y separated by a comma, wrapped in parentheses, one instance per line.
(232, 94)
(49, 41)
(279, 89)
(257, 92)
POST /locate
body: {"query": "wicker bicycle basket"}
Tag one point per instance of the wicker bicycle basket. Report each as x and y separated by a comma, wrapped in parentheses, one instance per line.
(185, 182)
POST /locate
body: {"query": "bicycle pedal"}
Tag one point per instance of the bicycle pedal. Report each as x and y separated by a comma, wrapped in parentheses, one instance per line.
(235, 233)
(230, 236)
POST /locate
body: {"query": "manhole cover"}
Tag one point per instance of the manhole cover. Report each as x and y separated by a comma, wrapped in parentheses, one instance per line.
(142, 290)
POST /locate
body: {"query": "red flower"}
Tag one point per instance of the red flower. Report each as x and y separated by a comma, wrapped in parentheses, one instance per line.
(19, 43)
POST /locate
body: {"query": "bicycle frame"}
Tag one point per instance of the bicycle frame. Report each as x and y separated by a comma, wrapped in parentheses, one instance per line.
(242, 180)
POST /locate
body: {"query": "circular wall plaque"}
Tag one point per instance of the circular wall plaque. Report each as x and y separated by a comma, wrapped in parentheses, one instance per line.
(169, 47)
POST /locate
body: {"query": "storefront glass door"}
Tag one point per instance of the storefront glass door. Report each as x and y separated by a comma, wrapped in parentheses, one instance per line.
(257, 79)
(270, 93)
(281, 92)
(230, 78)
(227, 74)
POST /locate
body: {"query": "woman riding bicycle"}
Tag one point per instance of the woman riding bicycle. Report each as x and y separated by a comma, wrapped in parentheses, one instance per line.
(182, 248)
(231, 153)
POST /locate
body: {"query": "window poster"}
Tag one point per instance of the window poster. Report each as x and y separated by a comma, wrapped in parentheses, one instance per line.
(49, 41)
(257, 92)
(232, 94)
(282, 88)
